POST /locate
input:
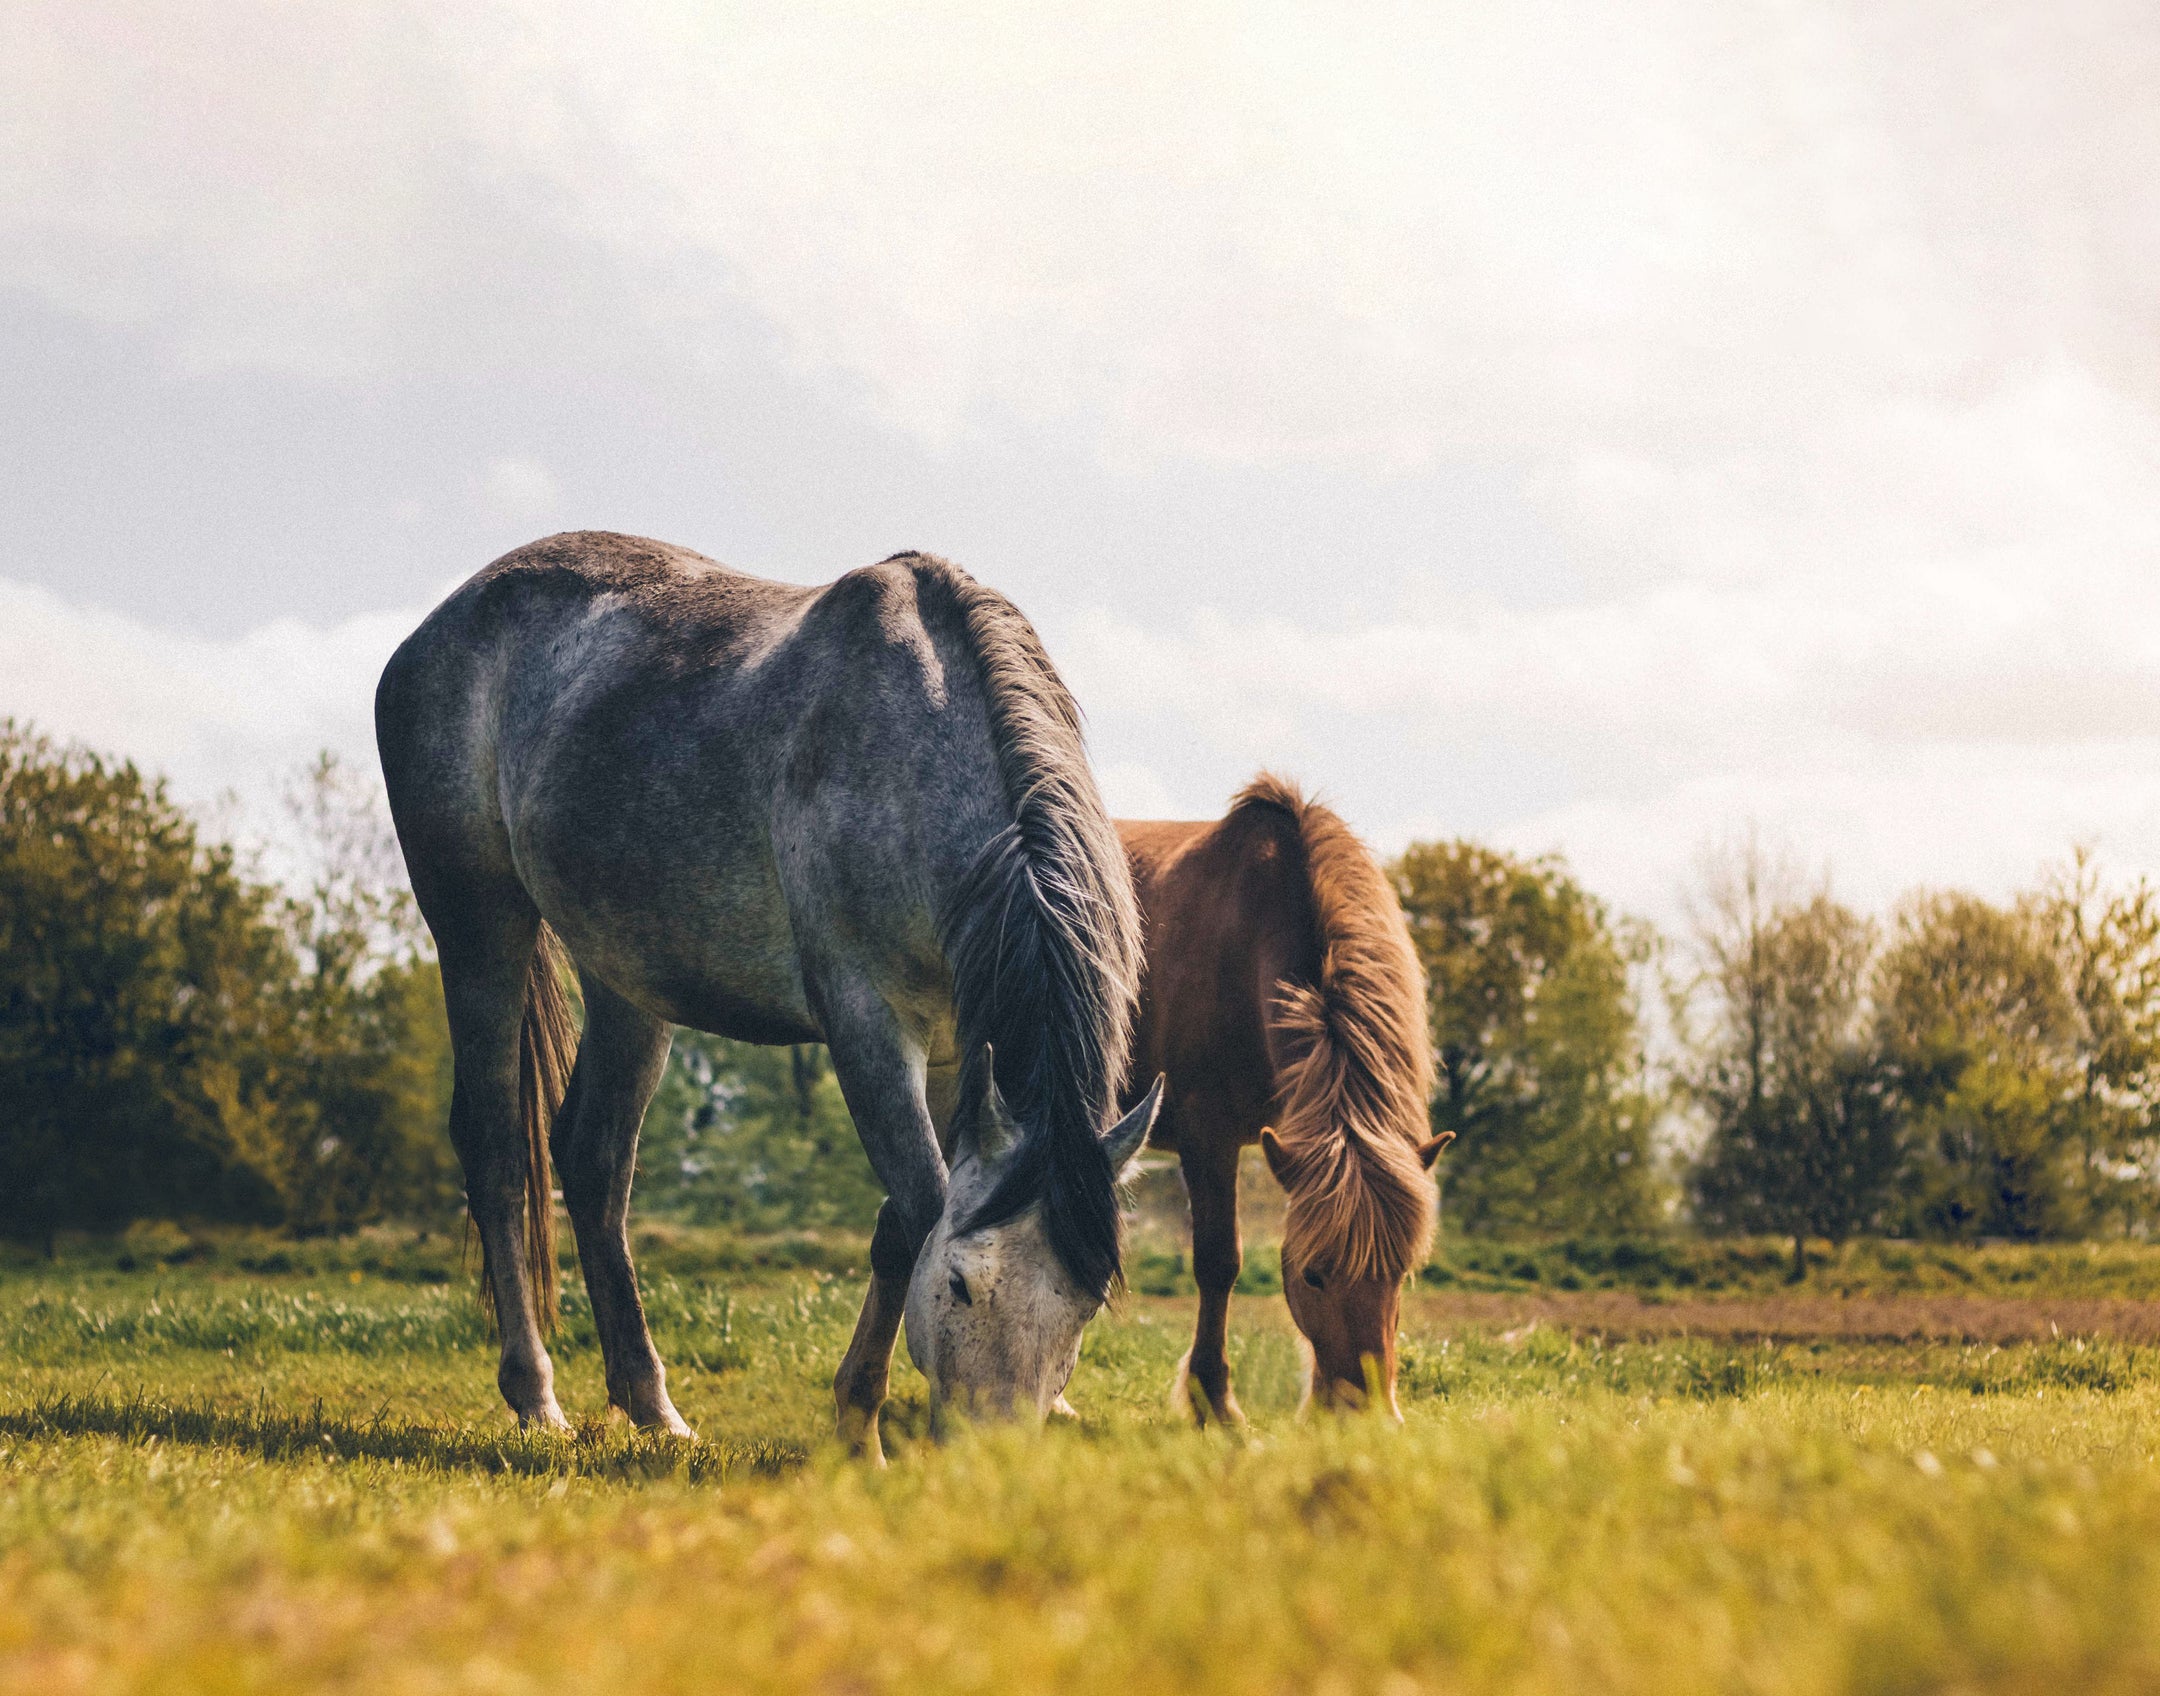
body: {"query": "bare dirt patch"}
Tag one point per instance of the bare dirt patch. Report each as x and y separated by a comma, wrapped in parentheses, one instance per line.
(1797, 1317)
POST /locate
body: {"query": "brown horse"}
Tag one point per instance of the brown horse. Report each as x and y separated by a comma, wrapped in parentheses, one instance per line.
(1284, 1001)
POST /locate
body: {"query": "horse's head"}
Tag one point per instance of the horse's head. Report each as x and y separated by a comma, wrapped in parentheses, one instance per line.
(1348, 1317)
(993, 1317)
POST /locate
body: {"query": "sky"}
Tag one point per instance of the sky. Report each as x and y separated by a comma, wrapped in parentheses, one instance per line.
(1594, 429)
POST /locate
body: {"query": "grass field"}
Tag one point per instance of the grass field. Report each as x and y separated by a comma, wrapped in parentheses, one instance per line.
(293, 1475)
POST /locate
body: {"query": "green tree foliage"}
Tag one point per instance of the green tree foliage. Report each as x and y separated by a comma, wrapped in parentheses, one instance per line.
(368, 1069)
(1804, 1137)
(2108, 944)
(758, 1138)
(1535, 1029)
(1984, 1070)
(1997, 1019)
(179, 1040)
(141, 1025)
(1975, 1015)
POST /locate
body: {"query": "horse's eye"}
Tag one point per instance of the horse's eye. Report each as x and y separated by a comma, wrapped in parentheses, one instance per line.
(1315, 1279)
(958, 1285)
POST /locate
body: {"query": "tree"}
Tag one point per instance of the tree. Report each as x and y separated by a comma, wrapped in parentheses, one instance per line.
(755, 1137)
(1779, 1060)
(368, 1066)
(2108, 946)
(140, 1024)
(1979, 1022)
(1535, 1029)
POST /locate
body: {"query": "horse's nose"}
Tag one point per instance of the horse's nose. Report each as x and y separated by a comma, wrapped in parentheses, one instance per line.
(1342, 1393)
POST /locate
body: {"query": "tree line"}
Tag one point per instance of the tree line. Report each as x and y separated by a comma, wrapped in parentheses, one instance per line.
(185, 1035)
(1961, 1069)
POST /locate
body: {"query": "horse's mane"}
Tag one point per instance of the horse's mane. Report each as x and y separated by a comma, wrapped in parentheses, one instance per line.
(1353, 1099)
(1043, 940)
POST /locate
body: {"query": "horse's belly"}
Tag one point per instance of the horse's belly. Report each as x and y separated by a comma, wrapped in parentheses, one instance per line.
(700, 940)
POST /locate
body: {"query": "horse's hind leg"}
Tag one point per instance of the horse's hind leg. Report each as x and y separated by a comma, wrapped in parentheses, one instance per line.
(1210, 1166)
(620, 1059)
(486, 959)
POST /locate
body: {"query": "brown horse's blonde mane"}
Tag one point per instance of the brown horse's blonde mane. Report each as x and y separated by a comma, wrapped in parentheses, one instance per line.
(1353, 1099)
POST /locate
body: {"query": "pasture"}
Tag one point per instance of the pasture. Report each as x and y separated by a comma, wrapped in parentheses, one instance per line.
(295, 1474)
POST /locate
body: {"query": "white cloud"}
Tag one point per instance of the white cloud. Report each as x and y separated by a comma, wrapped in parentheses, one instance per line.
(1384, 233)
(1976, 816)
(1823, 332)
(523, 489)
(1674, 719)
(214, 716)
(1135, 791)
(1952, 697)
(269, 184)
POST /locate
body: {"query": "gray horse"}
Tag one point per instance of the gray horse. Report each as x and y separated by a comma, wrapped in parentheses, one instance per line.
(860, 815)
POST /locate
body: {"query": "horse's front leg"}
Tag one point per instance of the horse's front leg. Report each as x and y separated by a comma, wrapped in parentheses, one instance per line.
(865, 1373)
(882, 1074)
(619, 1064)
(1210, 1166)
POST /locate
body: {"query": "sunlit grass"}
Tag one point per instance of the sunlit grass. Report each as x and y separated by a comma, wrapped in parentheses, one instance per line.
(221, 1483)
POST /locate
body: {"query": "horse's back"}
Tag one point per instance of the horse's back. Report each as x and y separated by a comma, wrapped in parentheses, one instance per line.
(525, 618)
(1227, 916)
(647, 742)
(469, 703)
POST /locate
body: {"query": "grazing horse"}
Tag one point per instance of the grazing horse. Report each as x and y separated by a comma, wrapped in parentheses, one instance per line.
(1284, 1002)
(859, 815)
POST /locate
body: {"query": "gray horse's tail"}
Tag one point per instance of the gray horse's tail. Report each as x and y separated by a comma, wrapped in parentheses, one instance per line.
(1043, 940)
(547, 1048)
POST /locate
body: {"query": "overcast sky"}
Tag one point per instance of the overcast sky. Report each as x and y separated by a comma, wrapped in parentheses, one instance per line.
(1582, 427)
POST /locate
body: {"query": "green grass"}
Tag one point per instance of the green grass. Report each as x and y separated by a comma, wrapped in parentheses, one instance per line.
(214, 1479)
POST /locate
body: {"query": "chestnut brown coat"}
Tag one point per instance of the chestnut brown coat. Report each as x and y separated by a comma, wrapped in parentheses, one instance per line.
(1282, 998)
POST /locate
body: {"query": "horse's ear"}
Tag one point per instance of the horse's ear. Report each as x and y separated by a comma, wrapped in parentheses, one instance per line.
(991, 1130)
(996, 1130)
(1278, 1161)
(1124, 1140)
(1428, 1152)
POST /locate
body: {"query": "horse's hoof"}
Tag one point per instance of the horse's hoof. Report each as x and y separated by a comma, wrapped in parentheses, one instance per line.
(1220, 1410)
(657, 1414)
(654, 1414)
(859, 1432)
(1181, 1396)
(1190, 1397)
